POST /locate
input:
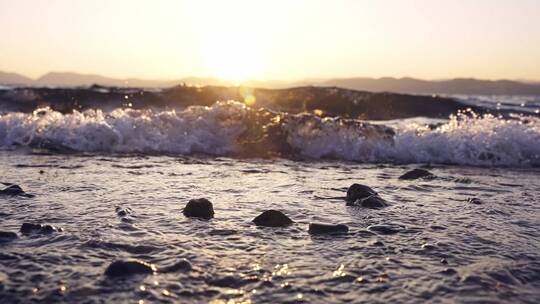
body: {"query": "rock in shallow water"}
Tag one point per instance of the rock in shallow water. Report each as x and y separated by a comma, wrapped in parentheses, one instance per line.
(385, 229)
(357, 191)
(182, 265)
(6, 236)
(416, 174)
(272, 218)
(474, 201)
(201, 208)
(13, 190)
(364, 196)
(316, 228)
(121, 212)
(128, 268)
(27, 228)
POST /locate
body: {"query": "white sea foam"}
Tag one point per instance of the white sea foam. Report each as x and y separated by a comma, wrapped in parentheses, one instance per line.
(464, 139)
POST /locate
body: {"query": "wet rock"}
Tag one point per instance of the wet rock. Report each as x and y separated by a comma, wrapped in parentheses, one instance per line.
(384, 229)
(182, 265)
(13, 190)
(201, 208)
(27, 228)
(316, 228)
(416, 174)
(364, 196)
(228, 282)
(6, 236)
(357, 191)
(375, 243)
(474, 200)
(222, 232)
(272, 218)
(123, 211)
(428, 246)
(129, 268)
(449, 271)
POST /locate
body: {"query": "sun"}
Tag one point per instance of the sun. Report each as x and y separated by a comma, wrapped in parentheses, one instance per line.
(234, 51)
(233, 61)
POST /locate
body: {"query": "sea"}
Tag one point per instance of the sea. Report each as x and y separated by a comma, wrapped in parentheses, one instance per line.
(114, 183)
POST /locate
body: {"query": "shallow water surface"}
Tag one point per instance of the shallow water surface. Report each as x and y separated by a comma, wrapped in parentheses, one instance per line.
(440, 248)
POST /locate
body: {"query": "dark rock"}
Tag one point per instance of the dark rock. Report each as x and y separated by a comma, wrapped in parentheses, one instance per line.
(231, 281)
(128, 268)
(27, 228)
(444, 261)
(123, 211)
(222, 232)
(201, 208)
(428, 247)
(272, 218)
(127, 220)
(373, 202)
(449, 271)
(12, 190)
(364, 196)
(6, 236)
(384, 229)
(357, 191)
(416, 174)
(315, 228)
(474, 200)
(375, 243)
(182, 265)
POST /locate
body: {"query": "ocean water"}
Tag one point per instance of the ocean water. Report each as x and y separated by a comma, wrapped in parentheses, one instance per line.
(431, 244)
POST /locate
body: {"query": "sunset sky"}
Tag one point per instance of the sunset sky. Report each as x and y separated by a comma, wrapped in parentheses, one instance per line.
(429, 39)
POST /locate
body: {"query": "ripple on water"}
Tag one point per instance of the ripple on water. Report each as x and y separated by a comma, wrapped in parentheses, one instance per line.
(430, 245)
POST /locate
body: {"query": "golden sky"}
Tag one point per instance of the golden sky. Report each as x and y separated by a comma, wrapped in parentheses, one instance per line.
(294, 39)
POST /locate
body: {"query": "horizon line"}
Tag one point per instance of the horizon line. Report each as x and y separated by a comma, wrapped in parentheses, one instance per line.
(179, 78)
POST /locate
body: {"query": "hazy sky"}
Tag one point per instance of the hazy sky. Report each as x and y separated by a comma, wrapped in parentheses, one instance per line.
(273, 39)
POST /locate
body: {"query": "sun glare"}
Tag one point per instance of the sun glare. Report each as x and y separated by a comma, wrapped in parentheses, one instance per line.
(234, 48)
(234, 59)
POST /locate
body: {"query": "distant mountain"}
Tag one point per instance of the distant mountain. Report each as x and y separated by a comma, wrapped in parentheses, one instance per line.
(69, 79)
(452, 86)
(387, 84)
(75, 79)
(13, 79)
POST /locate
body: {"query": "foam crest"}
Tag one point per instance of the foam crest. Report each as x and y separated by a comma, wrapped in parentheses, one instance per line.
(230, 128)
(197, 129)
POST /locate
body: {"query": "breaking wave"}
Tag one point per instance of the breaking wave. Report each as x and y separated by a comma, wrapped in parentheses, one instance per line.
(231, 128)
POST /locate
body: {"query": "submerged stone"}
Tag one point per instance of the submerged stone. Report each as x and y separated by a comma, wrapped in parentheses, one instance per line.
(128, 268)
(416, 174)
(6, 236)
(12, 190)
(272, 218)
(357, 191)
(201, 208)
(316, 228)
(182, 265)
(474, 200)
(373, 202)
(121, 212)
(27, 228)
(384, 229)
(364, 196)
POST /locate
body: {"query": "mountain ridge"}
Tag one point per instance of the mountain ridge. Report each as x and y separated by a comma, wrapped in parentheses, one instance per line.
(407, 85)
